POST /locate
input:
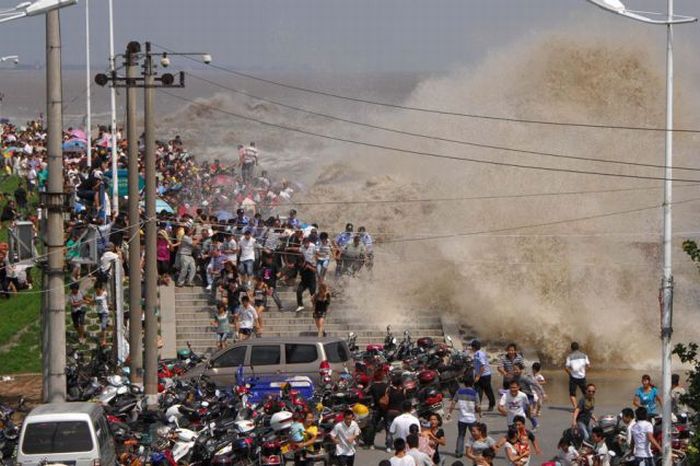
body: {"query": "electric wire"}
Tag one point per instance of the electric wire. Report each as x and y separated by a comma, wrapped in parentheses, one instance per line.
(423, 153)
(433, 110)
(533, 225)
(437, 138)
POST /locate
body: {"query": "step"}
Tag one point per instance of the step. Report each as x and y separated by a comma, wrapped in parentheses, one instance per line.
(415, 332)
(291, 319)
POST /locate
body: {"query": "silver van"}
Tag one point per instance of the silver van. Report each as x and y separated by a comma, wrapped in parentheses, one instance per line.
(275, 355)
(74, 434)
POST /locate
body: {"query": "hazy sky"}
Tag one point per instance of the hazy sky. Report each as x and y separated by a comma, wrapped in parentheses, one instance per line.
(321, 35)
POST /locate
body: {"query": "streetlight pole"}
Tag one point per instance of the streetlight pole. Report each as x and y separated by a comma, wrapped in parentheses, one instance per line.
(667, 280)
(135, 310)
(54, 312)
(88, 122)
(113, 106)
(666, 290)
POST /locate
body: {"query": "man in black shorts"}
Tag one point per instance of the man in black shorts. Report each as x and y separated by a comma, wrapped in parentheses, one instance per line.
(576, 365)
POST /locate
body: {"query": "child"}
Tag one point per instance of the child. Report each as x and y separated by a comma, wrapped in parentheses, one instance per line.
(541, 381)
(259, 296)
(516, 454)
(222, 324)
(566, 454)
(102, 305)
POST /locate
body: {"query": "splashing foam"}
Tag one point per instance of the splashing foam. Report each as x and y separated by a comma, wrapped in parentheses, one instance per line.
(593, 281)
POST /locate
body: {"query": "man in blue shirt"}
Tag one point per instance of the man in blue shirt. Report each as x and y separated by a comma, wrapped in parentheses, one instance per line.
(482, 374)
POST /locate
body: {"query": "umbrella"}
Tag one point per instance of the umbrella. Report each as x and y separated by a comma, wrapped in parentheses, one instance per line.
(78, 134)
(74, 145)
(161, 206)
(224, 215)
(223, 180)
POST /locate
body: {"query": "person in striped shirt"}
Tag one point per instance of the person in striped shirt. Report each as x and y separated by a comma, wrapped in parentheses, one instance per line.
(466, 400)
(508, 360)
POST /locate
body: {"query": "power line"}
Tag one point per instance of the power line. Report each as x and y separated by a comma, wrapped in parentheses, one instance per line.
(472, 198)
(421, 153)
(436, 111)
(534, 225)
(435, 138)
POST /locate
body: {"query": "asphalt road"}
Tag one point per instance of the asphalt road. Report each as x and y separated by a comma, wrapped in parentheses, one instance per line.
(615, 390)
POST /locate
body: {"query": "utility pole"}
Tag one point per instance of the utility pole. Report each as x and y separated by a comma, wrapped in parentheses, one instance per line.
(149, 81)
(135, 310)
(151, 282)
(55, 310)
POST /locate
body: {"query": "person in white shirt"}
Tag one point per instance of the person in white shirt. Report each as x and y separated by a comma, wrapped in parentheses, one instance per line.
(108, 261)
(247, 259)
(420, 458)
(401, 457)
(344, 435)
(401, 425)
(230, 249)
(643, 438)
(513, 403)
(576, 365)
(246, 319)
(600, 449)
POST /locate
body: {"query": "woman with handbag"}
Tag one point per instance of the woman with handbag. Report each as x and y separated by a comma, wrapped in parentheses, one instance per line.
(377, 390)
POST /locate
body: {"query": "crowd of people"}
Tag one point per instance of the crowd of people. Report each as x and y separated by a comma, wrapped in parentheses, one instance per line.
(229, 228)
(230, 232)
(417, 442)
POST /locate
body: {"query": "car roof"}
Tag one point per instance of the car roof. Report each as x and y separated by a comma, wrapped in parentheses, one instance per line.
(278, 341)
(65, 408)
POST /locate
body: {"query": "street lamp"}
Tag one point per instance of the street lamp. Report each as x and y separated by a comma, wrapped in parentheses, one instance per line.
(53, 340)
(14, 58)
(38, 7)
(666, 292)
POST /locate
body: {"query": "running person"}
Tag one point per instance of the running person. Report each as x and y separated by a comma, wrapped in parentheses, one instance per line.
(482, 374)
(321, 300)
(246, 319)
(222, 324)
(647, 396)
(506, 363)
(324, 249)
(576, 364)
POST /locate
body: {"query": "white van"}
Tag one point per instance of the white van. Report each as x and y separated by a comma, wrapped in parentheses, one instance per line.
(74, 434)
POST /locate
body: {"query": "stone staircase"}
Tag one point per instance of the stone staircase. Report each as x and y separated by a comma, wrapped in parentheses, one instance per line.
(194, 315)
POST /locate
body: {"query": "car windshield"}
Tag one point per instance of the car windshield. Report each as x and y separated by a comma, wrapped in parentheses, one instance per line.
(336, 352)
(41, 438)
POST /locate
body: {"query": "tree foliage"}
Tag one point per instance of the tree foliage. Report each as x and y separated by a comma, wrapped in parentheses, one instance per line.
(688, 354)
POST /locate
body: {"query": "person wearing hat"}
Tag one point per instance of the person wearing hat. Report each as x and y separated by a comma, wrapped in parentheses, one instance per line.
(482, 374)
(187, 265)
